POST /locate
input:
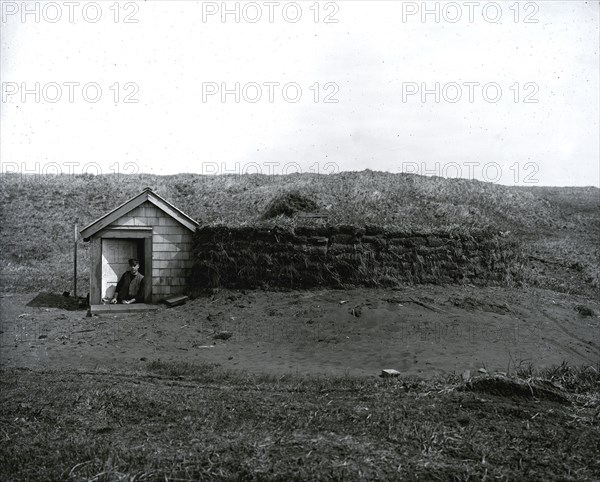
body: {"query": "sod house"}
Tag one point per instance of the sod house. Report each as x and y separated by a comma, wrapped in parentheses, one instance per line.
(148, 228)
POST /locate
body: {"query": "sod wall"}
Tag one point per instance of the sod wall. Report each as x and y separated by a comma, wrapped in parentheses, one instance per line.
(343, 256)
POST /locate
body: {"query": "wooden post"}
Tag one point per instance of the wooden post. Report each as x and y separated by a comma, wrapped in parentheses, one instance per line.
(75, 263)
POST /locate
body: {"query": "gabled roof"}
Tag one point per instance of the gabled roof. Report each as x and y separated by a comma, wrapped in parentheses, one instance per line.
(146, 195)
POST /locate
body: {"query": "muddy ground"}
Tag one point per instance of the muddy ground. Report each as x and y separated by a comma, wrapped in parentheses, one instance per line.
(424, 330)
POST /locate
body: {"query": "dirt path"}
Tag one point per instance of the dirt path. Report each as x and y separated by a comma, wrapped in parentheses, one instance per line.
(422, 330)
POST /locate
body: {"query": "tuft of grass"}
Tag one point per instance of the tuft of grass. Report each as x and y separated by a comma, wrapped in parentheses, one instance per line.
(577, 379)
(289, 204)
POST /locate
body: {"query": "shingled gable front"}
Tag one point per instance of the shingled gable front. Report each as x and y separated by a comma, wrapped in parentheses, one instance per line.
(148, 228)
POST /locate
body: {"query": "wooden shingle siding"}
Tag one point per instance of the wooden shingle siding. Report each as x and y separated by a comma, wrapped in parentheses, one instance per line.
(172, 273)
(173, 247)
(169, 255)
(172, 263)
(172, 238)
(145, 215)
(170, 247)
(124, 221)
(167, 229)
(165, 221)
(172, 251)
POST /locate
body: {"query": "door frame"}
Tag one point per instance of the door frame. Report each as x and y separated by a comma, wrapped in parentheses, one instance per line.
(121, 232)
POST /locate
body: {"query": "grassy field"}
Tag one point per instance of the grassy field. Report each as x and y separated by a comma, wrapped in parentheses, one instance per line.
(178, 421)
(558, 227)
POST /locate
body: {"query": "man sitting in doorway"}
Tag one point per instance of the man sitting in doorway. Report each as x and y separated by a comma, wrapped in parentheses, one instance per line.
(130, 288)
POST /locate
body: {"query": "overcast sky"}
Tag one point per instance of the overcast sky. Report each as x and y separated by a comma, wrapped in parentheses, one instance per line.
(506, 92)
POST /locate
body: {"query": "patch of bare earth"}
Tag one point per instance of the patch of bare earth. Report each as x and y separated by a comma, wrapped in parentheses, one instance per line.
(425, 330)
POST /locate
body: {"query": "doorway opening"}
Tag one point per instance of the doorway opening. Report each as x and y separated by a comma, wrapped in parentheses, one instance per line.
(116, 253)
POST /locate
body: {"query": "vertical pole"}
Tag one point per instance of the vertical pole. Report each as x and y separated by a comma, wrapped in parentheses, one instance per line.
(75, 263)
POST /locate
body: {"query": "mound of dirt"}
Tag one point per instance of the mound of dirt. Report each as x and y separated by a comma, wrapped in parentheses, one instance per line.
(53, 300)
(290, 204)
(512, 388)
(585, 310)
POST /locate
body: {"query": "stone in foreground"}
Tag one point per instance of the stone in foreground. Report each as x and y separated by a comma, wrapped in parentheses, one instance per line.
(389, 373)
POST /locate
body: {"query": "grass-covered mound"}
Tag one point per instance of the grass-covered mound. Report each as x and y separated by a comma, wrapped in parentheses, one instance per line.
(559, 227)
(289, 204)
